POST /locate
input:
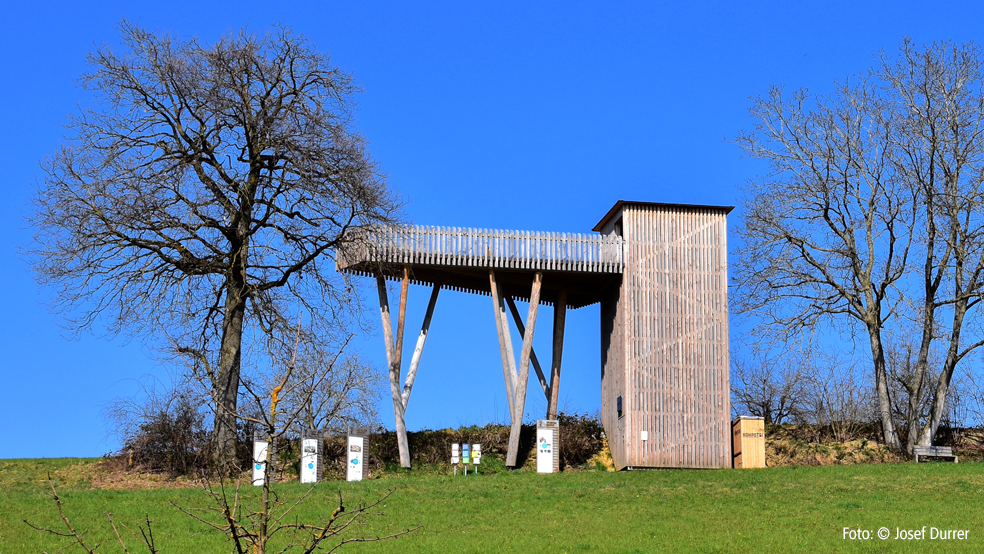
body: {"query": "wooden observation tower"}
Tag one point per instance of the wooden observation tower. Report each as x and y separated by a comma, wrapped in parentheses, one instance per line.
(660, 274)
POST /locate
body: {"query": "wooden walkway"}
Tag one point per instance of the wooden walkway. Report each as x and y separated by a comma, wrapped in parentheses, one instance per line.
(460, 258)
(486, 248)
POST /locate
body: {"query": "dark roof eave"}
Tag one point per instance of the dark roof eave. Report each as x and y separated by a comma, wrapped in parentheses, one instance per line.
(597, 228)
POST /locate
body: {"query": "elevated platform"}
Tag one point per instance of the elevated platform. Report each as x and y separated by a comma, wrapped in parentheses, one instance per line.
(460, 259)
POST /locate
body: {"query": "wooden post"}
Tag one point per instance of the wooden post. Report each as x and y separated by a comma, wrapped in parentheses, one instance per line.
(419, 349)
(560, 318)
(533, 359)
(394, 354)
(402, 317)
(519, 403)
(505, 341)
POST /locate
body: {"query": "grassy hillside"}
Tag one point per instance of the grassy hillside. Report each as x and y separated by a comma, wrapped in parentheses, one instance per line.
(786, 509)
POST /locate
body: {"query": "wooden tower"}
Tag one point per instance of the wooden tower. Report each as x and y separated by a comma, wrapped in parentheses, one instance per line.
(660, 273)
(664, 338)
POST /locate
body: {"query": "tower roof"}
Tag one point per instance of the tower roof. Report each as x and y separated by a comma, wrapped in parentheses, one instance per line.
(618, 205)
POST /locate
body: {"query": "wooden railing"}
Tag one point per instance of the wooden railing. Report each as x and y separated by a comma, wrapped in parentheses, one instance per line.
(456, 246)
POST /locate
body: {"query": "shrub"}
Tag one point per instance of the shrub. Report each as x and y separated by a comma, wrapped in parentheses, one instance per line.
(581, 438)
(173, 440)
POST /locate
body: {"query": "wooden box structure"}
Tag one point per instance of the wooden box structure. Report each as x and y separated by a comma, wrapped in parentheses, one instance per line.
(748, 440)
(664, 338)
(659, 272)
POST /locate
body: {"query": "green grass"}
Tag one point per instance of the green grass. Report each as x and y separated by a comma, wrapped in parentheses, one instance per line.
(795, 509)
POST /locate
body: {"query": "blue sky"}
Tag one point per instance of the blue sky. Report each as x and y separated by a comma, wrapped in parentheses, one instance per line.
(515, 115)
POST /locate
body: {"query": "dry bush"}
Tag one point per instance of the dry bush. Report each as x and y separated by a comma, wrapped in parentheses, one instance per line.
(171, 440)
(581, 438)
(817, 445)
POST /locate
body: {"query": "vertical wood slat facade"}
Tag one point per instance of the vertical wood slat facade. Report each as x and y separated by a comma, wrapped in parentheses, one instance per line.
(665, 338)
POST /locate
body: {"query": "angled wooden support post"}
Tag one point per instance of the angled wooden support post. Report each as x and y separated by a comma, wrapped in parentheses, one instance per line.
(533, 359)
(419, 349)
(505, 341)
(560, 318)
(394, 357)
(519, 403)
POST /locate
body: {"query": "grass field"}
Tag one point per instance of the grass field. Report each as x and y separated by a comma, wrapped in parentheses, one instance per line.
(795, 509)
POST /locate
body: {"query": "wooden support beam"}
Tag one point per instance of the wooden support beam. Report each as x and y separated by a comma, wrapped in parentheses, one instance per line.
(560, 318)
(505, 342)
(384, 311)
(402, 317)
(419, 349)
(524, 372)
(533, 359)
(394, 355)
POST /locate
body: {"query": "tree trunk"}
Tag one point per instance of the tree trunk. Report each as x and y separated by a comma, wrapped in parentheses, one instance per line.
(881, 386)
(917, 384)
(226, 387)
(938, 407)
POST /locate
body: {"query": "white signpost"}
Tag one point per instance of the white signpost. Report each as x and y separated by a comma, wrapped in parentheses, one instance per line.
(476, 454)
(260, 449)
(544, 451)
(309, 461)
(355, 458)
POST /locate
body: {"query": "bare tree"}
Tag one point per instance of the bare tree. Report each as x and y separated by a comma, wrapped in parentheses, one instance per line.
(835, 395)
(346, 395)
(826, 234)
(201, 195)
(772, 388)
(871, 211)
(939, 93)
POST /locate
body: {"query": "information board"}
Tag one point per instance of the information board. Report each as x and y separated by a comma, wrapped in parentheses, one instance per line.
(309, 461)
(544, 451)
(259, 462)
(355, 458)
